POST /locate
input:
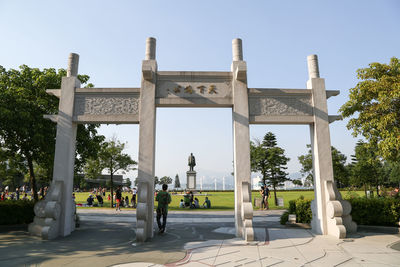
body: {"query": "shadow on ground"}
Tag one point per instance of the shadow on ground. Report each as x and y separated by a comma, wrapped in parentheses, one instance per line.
(102, 244)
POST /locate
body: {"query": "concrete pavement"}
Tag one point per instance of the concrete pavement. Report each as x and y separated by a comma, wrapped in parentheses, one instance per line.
(198, 238)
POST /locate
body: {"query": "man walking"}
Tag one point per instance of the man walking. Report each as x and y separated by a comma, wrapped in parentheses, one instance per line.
(163, 198)
(133, 201)
(266, 194)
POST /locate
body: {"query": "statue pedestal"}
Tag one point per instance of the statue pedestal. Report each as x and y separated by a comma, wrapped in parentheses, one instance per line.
(191, 180)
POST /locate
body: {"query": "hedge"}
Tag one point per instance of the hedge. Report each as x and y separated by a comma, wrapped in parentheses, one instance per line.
(365, 211)
(375, 211)
(16, 212)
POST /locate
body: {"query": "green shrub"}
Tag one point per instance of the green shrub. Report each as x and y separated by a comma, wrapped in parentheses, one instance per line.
(301, 207)
(16, 212)
(303, 210)
(375, 211)
(284, 217)
(292, 206)
(351, 194)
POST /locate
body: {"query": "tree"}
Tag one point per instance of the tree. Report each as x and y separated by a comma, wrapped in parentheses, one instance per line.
(375, 103)
(177, 182)
(297, 182)
(165, 180)
(307, 170)
(12, 169)
(394, 174)
(92, 170)
(88, 145)
(269, 159)
(156, 181)
(257, 158)
(80, 182)
(128, 183)
(113, 159)
(340, 172)
(391, 173)
(366, 168)
(23, 130)
(43, 174)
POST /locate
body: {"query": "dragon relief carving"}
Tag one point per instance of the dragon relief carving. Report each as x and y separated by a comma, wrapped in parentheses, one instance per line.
(281, 106)
(110, 106)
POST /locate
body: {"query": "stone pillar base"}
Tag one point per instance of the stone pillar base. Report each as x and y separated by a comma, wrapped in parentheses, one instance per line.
(191, 180)
(47, 223)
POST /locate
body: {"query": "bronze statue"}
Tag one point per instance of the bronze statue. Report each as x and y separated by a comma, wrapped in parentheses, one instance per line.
(191, 162)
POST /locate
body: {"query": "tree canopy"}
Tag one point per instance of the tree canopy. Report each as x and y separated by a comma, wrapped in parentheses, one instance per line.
(24, 131)
(165, 180)
(375, 104)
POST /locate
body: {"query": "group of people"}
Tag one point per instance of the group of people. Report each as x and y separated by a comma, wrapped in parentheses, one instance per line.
(20, 193)
(189, 201)
(120, 201)
(90, 200)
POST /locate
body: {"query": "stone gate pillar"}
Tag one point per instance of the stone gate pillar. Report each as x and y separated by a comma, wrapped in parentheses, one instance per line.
(64, 159)
(241, 144)
(331, 214)
(320, 145)
(147, 139)
(55, 214)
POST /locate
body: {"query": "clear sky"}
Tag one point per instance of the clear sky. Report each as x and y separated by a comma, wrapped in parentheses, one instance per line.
(277, 37)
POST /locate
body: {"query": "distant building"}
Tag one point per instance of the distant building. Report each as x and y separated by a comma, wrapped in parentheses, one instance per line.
(104, 178)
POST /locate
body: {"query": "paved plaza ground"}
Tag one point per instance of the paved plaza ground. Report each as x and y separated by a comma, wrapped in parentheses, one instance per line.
(198, 238)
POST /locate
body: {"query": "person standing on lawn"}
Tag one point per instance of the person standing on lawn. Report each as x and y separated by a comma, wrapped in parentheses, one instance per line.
(163, 198)
(118, 197)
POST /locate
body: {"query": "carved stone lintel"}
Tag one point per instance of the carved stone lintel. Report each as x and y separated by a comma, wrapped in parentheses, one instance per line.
(103, 105)
(280, 105)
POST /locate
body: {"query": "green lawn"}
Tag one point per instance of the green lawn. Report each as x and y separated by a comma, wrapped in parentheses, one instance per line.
(221, 200)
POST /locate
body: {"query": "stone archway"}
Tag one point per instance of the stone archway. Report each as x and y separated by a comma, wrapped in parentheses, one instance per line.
(54, 215)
